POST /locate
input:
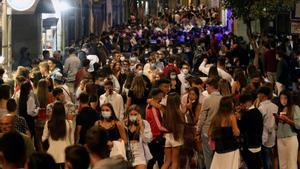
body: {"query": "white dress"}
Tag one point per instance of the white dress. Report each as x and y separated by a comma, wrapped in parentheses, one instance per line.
(230, 160)
(57, 147)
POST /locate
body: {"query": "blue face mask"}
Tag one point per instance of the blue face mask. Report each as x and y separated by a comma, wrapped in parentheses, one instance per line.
(133, 119)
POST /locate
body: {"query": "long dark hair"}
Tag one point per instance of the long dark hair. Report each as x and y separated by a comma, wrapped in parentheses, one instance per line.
(24, 93)
(57, 123)
(42, 93)
(173, 116)
(225, 110)
(289, 104)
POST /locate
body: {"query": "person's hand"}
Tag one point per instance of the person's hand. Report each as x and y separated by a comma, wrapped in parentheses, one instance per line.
(140, 120)
(283, 118)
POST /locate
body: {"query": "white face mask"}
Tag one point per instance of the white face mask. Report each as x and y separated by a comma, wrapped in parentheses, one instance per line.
(106, 114)
(185, 71)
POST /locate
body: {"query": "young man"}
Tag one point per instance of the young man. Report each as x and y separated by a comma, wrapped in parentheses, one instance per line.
(267, 108)
(97, 145)
(209, 109)
(10, 158)
(153, 116)
(112, 97)
(59, 96)
(251, 128)
(184, 73)
(86, 118)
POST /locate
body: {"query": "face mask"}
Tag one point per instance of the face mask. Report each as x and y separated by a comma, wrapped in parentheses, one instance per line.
(140, 72)
(152, 66)
(122, 58)
(185, 71)
(133, 119)
(173, 76)
(146, 51)
(111, 37)
(179, 51)
(106, 114)
(133, 59)
(101, 83)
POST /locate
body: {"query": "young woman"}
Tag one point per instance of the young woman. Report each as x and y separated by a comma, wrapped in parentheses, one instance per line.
(173, 118)
(139, 135)
(192, 112)
(288, 122)
(138, 94)
(59, 132)
(175, 82)
(239, 82)
(28, 106)
(222, 133)
(119, 74)
(224, 87)
(108, 121)
(44, 98)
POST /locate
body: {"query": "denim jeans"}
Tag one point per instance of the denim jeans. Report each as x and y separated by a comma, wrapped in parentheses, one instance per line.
(267, 157)
(207, 152)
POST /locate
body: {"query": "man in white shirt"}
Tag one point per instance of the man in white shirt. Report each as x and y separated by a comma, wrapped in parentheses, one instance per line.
(113, 98)
(267, 108)
(204, 68)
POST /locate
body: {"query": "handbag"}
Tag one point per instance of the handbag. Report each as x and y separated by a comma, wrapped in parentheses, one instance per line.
(212, 144)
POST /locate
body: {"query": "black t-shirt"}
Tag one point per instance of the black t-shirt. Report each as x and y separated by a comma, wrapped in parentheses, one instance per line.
(86, 119)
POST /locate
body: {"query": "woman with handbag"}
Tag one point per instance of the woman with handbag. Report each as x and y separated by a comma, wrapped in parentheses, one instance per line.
(222, 136)
(139, 135)
(288, 123)
(59, 133)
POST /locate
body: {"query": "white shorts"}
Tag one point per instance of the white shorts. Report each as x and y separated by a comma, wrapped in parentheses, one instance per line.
(138, 154)
(171, 142)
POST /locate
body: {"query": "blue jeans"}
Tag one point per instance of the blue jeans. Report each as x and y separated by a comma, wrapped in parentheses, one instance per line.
(267, 157)
(207, 153)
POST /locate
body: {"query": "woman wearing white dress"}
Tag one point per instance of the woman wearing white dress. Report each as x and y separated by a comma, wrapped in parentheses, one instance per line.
(59, 132)
(222, 133)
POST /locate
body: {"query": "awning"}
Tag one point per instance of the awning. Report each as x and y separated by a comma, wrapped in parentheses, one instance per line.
(49, 22)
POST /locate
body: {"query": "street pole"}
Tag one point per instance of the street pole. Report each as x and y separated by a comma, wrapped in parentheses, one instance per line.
(6, 37)
(4, 33)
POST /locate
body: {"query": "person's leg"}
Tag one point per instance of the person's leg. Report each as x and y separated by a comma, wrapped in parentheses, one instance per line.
(168, 158)
(207, 152)
(154, 149)
(282, 153)
(292, 149)
(160, 151)
(267, 156)
(140, 167)
(175, 157)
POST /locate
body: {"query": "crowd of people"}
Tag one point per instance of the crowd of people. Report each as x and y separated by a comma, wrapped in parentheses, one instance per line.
(172, 93)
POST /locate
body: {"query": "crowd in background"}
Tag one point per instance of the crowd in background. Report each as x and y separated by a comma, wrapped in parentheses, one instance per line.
(178, 91)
